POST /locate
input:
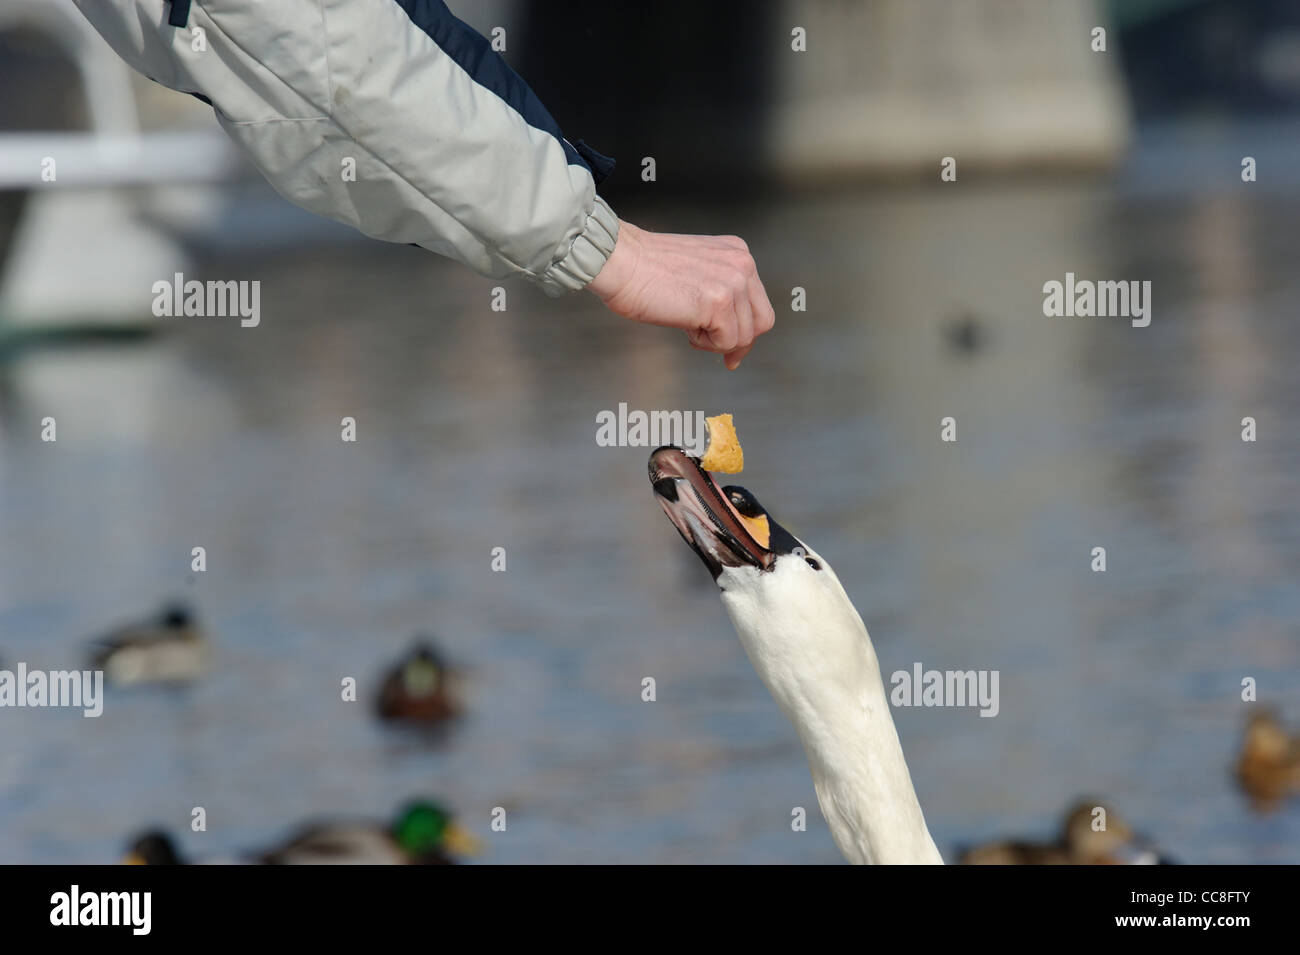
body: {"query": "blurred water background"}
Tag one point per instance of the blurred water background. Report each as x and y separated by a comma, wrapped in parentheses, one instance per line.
(476, 429)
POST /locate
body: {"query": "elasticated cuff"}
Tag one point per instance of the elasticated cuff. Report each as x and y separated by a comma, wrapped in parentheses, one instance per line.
(587, 255)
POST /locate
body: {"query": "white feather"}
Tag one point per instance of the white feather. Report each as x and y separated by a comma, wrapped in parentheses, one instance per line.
(812, 650)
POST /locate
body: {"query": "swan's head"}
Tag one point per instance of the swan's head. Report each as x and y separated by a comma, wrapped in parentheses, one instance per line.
(742, 545)
(810, 649)
(798, 627)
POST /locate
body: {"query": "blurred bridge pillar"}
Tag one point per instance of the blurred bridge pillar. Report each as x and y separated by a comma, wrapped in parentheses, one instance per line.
(895, 85)
(715, 93)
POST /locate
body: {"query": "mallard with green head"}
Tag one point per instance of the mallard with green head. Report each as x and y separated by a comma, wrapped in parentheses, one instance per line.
(423, 833)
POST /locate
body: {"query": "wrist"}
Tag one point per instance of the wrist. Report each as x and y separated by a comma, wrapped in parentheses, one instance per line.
(620, 265)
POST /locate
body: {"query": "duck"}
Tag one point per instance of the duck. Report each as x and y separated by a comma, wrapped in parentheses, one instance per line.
(1268, 768)
(1078, 844)
(152, 847)
(812, 651)
(168, 648)
(965, 334)
(422, 833)
(419, 689)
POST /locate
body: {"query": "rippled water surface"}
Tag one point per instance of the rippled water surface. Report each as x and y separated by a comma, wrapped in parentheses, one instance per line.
(477, 429)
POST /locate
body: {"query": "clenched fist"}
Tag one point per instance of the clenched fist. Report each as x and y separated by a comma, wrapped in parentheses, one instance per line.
(707, 285)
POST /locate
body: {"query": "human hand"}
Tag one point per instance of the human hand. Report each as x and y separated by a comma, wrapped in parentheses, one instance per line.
(704, 284)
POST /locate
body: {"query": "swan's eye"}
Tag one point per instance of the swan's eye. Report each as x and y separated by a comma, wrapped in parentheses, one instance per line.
(812, 563)
(746, 504)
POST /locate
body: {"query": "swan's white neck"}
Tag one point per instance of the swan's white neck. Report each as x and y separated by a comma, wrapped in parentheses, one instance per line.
(812, 650)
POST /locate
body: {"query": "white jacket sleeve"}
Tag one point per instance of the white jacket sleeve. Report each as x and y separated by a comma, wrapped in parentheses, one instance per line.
(392, 116)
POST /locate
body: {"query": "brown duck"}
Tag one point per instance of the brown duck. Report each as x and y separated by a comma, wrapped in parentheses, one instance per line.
(1078, 844)
(1268, 768)
(419, 689)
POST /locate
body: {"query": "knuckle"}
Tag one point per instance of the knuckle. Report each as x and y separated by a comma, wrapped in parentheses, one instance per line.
(725, 335)
(717, 295)
(743, 261)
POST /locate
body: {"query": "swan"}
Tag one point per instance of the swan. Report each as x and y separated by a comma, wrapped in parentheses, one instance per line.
(812, 651)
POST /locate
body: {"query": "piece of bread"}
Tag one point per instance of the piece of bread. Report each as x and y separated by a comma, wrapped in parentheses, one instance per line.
(723, 452)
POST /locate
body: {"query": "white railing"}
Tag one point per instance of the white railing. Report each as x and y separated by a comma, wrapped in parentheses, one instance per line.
(82, 248)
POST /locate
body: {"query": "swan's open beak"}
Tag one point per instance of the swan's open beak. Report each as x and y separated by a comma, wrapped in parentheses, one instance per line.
(699, 510)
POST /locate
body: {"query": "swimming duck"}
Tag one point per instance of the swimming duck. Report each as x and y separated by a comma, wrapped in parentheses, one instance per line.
(419, 689)
(1268, 768)
(965, 334)
(170, 648)
(424, 833)
(1078, 844)
(152, 847)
